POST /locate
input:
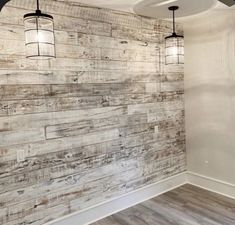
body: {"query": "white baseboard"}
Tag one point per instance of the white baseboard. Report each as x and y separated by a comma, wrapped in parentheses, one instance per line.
(128, 200)
(113, 206)
(211, 184)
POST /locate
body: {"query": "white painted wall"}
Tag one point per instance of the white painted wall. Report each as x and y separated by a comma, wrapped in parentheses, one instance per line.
(210, 94)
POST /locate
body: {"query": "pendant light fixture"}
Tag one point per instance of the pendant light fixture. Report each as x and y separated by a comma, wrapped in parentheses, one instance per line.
(39, 35)
(174, 44)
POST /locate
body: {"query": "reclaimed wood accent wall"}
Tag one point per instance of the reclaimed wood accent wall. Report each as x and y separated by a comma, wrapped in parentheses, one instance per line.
(103, 119)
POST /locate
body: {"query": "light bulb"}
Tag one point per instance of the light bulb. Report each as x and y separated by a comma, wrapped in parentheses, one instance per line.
(40, 37)
(173, 51)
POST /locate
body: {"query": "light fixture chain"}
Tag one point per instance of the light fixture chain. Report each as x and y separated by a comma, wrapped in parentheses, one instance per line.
(38, 7)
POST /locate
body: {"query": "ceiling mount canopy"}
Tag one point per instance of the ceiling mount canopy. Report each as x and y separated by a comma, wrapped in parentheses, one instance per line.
(2, 3)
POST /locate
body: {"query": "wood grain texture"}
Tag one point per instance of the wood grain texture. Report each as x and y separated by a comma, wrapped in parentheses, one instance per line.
(104, 118)
(187, 205)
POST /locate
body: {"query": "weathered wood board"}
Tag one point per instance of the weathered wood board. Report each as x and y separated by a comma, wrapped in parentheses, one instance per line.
(104, 118)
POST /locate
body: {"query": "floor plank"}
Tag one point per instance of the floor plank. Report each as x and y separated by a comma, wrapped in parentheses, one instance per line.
(187, 205)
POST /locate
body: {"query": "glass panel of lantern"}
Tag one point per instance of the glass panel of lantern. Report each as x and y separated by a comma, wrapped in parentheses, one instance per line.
(174, 50)
(39, 36)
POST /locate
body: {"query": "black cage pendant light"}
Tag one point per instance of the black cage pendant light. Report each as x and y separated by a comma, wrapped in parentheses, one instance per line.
(174, 44)
(39, 35)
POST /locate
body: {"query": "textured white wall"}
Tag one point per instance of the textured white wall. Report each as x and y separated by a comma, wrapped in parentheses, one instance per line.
(210, 94)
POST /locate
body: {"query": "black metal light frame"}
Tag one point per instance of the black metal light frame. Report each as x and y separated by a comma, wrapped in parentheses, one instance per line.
(37, 15)
(174, 36)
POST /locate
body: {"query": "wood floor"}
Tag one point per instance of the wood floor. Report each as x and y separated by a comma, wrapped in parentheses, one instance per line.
(187, 205)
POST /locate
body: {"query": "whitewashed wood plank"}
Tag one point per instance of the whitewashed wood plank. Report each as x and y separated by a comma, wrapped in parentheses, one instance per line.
(20, 107)
(8, 138)
(153, 87)
(171, 77)
(21, 63)
(135, 34)
(115, 43)
(13, 92)
(13, 77)
(65, 130)
(166, 115)
(67, 77)
(149, 55)
(54, 145)
(44, 119)
(172, 86)
(155, 107)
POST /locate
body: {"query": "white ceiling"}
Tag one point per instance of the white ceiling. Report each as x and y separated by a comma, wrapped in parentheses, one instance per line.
(122, 5)
(159, 8)
(148, 7)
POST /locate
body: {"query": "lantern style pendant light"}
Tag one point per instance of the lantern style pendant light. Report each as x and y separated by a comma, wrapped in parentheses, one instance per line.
(39, 35)
(174, 44)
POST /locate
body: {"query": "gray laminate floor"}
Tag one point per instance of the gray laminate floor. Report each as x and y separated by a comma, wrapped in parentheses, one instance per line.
(187, 205)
